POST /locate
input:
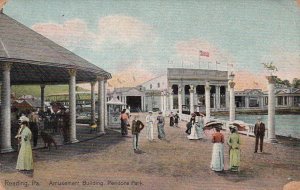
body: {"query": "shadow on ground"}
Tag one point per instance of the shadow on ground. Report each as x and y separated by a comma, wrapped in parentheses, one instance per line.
(93, 145)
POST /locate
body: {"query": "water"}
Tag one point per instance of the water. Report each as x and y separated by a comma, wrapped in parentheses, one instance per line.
(285, 125)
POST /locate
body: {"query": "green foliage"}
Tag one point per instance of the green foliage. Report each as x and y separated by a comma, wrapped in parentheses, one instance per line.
(35, 90)
(296, 83)
(283, 82)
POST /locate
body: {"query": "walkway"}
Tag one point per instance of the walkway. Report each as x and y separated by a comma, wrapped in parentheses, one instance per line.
(108, 162)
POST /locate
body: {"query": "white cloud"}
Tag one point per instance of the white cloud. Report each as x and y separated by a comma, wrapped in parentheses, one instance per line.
(121, 30)
(71, 34)
(124, 30)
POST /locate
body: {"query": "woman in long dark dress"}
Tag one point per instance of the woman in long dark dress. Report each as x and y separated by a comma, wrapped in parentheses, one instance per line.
(171, 119)
(160, 126)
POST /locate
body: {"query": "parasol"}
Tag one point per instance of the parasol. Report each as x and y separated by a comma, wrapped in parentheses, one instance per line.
(212, 124)
(240, 126)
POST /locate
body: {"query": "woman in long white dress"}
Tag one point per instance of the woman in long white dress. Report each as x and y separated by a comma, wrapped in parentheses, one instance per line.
(200, 125)
(217, 160)
(25, 159)
(197, 122)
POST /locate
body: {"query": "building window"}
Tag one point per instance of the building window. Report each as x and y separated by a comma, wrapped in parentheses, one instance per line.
(150, 86)
(158, 85)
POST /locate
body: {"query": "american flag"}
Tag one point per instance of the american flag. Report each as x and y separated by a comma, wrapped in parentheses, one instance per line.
(204, 53)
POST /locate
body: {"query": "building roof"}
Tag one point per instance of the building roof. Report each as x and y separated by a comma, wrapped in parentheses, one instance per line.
(125, 89)
(161, 76)
(196, 74)
(36, 59)
(115, 101)
(289, 90)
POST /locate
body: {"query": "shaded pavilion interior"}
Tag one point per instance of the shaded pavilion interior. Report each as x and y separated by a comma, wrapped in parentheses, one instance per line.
(27, 57)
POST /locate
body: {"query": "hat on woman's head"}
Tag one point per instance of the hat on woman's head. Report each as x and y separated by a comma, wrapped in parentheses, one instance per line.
(232, 127)
(24, 118)
(219, 127)
(160, 112)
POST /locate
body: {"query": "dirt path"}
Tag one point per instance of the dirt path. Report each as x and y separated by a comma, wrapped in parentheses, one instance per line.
(109, 162)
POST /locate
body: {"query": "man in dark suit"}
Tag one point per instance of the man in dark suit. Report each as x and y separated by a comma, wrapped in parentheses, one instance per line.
(136, 127)
(259, 132)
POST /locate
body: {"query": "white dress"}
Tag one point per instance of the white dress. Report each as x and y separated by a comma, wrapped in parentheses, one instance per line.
(149, 127)
(217, 161)
(196, 130)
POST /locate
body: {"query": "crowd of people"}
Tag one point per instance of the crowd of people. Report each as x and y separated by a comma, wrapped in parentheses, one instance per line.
(30, 125)
(195, 131)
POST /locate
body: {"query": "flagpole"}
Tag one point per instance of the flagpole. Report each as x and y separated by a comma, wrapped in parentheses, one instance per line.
(199, 59)
(181, 63)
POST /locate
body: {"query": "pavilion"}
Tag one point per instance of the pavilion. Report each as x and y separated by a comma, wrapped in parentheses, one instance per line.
(27, 57)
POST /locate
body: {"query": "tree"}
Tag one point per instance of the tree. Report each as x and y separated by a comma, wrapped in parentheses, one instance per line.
(286, 83)
(296, 83)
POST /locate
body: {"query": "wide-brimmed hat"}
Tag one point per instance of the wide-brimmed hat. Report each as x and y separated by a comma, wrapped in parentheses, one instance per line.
(23, 118)
(232, 127)
(218, 127)
(160, 112)
(150, 111)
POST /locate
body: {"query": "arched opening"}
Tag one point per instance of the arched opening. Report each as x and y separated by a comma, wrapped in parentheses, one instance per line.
(175, 89)
(187, 89)
(200, 89)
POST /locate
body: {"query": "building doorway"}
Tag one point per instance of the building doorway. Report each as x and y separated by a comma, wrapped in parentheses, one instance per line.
(135, 103)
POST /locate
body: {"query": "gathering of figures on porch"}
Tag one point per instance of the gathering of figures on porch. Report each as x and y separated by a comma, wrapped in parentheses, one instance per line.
(28, 126)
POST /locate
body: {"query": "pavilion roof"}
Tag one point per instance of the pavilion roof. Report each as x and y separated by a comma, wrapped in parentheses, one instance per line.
(36, 59)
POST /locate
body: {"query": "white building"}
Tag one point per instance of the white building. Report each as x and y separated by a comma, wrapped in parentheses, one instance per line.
(161, 93)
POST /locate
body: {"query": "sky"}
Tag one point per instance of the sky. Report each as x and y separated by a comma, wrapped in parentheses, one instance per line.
(128, 37)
